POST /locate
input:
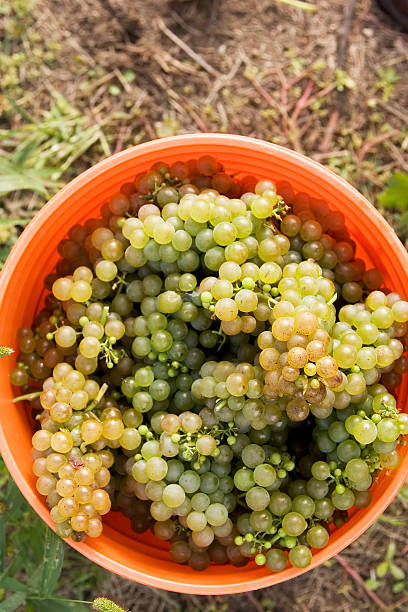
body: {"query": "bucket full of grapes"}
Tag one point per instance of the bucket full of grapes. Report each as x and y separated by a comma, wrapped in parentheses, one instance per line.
(208, 388)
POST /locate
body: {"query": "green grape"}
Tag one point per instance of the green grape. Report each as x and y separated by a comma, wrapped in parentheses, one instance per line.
(294, 524)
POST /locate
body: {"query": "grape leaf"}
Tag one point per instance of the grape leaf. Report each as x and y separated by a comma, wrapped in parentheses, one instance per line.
(395, 195)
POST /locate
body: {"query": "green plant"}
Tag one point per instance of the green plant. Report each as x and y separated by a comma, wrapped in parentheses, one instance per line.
(31, 557)
(388, 77)
(42, 151)
(387, 566)
(5, 350)
(395, 195)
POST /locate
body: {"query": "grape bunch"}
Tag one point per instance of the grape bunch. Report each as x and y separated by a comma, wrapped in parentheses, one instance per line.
(214, 362)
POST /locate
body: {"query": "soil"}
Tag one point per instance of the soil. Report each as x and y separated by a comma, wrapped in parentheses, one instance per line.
(327, 83)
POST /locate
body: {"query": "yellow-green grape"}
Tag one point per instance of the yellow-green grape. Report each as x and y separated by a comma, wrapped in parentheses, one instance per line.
(60, 412)
(61, 442)
(138, 238)
(90, 347)
(226, 309)
(41, 440)
(94, 528)
(85, 366)
(236, 252)
(61, 288)
(80, 522)
(84, 476)
(67, 506)
(283, 328)
(65, 336)
(163, 233)
(306, 322)
(65, 487)
(106, 270)
(237, 384)
(206, 445)
(54, 462)
(156, 468)
(130, 439)
(113, 429)
(102, 477)
(385, 355)
(74, 380)
(400, 311)
(112, 250)
(83, 273)
(200, 210)
(93, 461)
(148, 210)
(151, 223)
(91, 388)
(270, 273)
(268, 250)
(81, 291)
(93, 328)
(170, 302)
(114, 328)
(56, 516)
(262, 207)
(99, 236)
(222, 288)
(224, 233)
(230, 271)
(130, 225)
(173, 495)
(246, 300)
(248, 270)
(45, 484)
(269, 359)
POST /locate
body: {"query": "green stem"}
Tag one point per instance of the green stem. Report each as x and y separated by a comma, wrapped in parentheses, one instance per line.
(60, 599)
(27, 396)
(104, 315)
(98, 398)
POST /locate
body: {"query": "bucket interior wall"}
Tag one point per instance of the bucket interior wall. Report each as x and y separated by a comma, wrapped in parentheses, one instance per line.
(142, 557)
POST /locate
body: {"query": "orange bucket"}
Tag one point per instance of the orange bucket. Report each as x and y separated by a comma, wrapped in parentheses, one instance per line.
(143, 558)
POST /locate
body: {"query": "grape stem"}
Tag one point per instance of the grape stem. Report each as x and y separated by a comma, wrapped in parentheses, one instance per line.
(104, 315)
(27, 396)
(98, 398)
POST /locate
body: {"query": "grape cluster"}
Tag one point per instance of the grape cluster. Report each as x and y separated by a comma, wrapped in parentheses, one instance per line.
(214, 362)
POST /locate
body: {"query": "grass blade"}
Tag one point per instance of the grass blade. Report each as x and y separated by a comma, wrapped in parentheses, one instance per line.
(52, 562)
(12, 603)
(20, 110)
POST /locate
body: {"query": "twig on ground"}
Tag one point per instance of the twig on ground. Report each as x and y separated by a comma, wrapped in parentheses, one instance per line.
(300, 105)
(195, 116)
(344, 33)
(224, 79)
(119, 142)
(400, 113)
(371, 144)
(357, 578)
(255, 603)
(328, 133)
(284, 99)
(184, 46)
(398, 605)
